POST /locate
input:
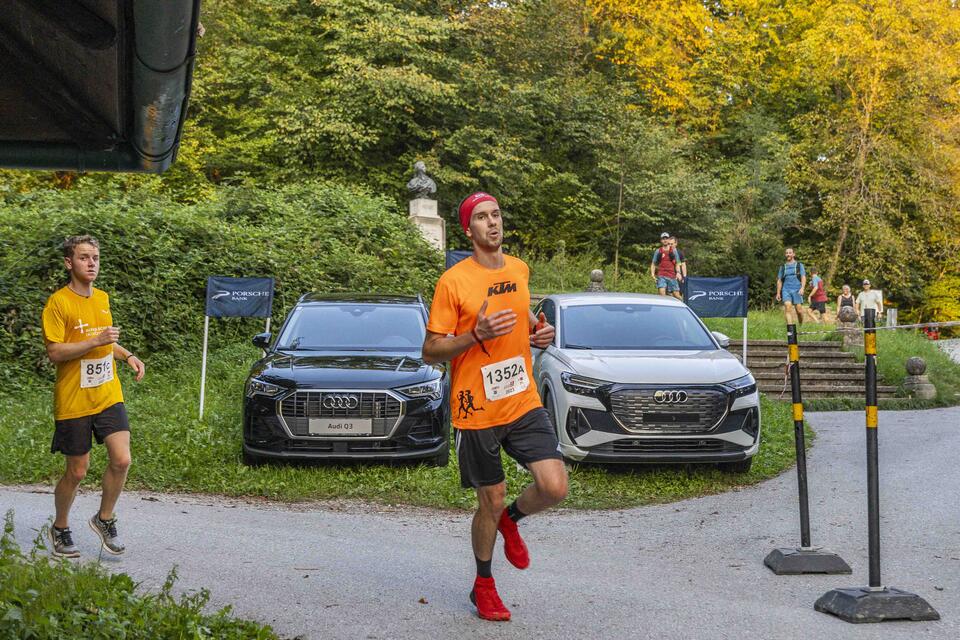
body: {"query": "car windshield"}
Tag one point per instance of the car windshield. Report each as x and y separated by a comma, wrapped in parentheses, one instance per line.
(353, 327)
(632, 326)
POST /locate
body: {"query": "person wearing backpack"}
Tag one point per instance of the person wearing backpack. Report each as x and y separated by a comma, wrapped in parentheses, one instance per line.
(664, 268)
(791, 281)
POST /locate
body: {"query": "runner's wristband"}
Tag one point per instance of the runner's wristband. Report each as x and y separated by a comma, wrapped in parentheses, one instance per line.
(476, 337)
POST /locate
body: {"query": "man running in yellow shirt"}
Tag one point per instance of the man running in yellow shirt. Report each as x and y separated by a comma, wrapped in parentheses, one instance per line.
(88, 402)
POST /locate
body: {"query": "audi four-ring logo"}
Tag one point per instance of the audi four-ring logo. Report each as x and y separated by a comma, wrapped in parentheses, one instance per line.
(670, 397)
(340, 402)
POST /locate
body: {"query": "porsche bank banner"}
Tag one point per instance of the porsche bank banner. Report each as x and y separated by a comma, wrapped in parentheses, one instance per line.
(717, 297)
(453, 257)
(239, 297)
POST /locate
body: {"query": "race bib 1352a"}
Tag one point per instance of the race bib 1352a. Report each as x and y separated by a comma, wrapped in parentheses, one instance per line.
(505, 378)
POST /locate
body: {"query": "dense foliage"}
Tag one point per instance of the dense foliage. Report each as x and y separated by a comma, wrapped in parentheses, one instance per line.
(157, 254)
(740, 125)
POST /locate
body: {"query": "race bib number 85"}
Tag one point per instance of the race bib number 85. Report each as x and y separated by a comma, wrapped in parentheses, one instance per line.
(94, 373)
(505, 378)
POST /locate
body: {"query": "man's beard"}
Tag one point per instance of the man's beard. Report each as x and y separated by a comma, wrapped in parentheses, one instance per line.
(490, 245)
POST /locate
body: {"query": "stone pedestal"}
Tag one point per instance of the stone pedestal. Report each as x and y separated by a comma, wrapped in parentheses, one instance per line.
(423, 213)
(851, 333)
(917, 384)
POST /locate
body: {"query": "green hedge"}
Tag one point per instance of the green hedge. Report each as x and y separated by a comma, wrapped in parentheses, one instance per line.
(156, 255)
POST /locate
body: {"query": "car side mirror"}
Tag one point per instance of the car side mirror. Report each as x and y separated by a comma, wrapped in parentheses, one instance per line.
(722, 339)
(262, 340)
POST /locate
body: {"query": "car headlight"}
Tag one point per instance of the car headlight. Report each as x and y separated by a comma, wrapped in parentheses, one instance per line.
(257, 387)
(432, 390)
(581, 385)
(743, 386)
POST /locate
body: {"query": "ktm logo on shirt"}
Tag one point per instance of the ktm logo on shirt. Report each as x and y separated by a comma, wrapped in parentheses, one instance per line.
(502, 287)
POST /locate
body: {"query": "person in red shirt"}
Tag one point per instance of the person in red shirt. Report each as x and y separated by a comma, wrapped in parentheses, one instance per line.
(665, 268)
(480, 320)
(818, 293)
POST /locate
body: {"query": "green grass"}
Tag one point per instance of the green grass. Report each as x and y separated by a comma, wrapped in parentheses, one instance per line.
(894, 347)
(566, 274)
(770, 324)
(42, 598)
(174, 451)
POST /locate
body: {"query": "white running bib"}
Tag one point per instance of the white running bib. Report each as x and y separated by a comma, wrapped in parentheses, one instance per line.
(505, 378)
(95, 372)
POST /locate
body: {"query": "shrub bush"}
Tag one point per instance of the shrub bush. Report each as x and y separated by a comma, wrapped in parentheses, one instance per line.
(157, 254)
(48, 599)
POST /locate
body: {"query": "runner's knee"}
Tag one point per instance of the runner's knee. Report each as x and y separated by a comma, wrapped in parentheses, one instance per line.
(491, 499)
(120, 463)
(554, 489)
(75, 474)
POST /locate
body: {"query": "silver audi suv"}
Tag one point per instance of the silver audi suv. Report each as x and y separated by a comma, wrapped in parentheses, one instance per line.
(639, 378)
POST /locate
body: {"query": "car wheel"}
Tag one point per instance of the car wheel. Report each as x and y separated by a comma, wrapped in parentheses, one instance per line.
(252, 460)
(551, 410)
(442, 459)
(741, 466)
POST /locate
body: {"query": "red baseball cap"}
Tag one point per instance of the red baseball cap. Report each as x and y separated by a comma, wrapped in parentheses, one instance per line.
(469, 203)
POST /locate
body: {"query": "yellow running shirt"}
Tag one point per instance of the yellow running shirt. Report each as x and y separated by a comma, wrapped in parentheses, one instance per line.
(89, 384)
(491, 385)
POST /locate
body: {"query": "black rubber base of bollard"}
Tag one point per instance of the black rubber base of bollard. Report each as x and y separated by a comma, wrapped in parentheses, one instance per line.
(791, 562)
(861, 604)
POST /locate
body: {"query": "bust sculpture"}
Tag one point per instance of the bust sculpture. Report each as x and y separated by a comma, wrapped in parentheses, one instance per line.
(421, 185)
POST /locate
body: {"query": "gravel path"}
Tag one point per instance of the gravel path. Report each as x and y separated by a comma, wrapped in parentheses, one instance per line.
(951, 348)
(689, 570)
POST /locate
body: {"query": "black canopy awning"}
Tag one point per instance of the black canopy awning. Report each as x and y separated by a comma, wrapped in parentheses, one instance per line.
(94, 85)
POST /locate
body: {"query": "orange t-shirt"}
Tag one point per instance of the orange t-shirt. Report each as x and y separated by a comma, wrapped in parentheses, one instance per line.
(460, 293)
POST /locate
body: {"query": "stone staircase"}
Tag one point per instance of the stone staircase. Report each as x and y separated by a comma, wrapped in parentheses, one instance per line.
(825, 370)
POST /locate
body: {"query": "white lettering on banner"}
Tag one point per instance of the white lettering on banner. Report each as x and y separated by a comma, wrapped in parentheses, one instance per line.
(716, 296)
(240, 296)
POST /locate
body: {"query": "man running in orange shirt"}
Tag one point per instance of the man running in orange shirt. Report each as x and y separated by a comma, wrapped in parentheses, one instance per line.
(480, 320)
(88, 402)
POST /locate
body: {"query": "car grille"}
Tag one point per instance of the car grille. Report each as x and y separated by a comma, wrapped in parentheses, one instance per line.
(653, 446)
(637, 411)
(382, 408)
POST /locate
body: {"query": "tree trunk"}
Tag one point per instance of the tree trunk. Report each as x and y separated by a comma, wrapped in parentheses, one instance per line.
(835, 258)
(616, 241)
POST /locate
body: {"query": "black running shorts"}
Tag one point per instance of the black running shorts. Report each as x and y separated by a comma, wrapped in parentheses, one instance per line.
(72, 437)
(530, 438)
(819, 306)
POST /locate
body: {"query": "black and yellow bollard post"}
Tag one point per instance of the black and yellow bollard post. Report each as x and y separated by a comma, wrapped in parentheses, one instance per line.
(874, 603)
(805, 558)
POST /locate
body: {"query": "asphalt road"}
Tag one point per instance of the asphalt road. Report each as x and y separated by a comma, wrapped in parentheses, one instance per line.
(686, 570)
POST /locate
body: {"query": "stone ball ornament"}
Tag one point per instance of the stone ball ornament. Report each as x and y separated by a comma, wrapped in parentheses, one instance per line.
(916, 366)
(596, 275)
(847, 314)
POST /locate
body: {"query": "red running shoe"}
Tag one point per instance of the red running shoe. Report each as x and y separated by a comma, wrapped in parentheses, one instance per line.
(487, 601)
(513, 545)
